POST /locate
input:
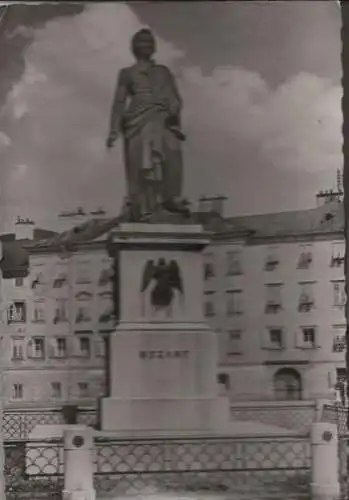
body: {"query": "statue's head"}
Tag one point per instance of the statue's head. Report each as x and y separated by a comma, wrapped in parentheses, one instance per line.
(143, 44)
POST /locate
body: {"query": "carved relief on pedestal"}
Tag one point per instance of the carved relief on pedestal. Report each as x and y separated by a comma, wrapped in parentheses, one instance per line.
(162, 293)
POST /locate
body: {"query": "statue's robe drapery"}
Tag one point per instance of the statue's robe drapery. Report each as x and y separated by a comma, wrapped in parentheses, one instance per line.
(145, 97)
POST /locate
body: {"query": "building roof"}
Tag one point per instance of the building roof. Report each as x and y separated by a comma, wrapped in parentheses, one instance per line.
(215, 223)
(96, 228)
(15, 258)
(82, 233)
(325, 219)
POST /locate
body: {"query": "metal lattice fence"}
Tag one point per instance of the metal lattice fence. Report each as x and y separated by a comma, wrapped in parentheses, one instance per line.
(33, 469)
(293, 417)
(18, 424)
(343, 465)
(336, 414)
(88, 417)
(266, 467)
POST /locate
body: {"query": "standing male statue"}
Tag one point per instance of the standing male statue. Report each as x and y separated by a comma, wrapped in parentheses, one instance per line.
(146, 111)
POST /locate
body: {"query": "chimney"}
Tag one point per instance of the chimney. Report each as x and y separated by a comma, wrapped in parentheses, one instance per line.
(204, 205)
(212, 204)
(71, 218)
(98, 213)
(24, 228)
(217, 204)
(329, 196)
(332, 195)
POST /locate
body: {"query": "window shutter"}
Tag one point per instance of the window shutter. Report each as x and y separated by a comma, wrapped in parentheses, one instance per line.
(100, 347)
(299, 338)
(265, 339)
(30, 347)
(317, 342)
(51, 347)
(74, 346)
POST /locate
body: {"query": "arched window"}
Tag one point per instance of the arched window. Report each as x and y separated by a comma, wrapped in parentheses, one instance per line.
(287, 385)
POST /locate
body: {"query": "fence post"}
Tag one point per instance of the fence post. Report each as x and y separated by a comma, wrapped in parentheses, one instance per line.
(319, 408)
(78, 463)
(325, 462)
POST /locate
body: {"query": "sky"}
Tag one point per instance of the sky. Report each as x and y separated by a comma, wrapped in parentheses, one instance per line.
(260, 82)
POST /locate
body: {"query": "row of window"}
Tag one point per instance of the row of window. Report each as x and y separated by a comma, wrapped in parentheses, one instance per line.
(84, 390)
(287, 384)
(17, 312)
(61, 347)
(274, 302)
(83, 277)
(234, 265)
(307, 337)
(57, 347)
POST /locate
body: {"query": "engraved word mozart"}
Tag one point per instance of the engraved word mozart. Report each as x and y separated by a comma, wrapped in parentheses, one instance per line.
(163, 354)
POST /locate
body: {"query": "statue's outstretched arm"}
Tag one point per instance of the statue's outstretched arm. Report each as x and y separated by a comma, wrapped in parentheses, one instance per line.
(119, 101)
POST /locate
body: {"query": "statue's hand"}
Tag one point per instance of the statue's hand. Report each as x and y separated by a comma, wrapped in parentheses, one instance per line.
(174, 111)
(111, 140)
(172, 120)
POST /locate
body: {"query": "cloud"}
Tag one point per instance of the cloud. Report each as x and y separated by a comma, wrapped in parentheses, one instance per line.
(296, 126)
(23, 31)
(20, 171)
(57, 115)
(5, 141)
(58, 112)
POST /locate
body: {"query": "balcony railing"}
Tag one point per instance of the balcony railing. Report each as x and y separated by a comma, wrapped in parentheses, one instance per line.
(305, 305)
(273, 307)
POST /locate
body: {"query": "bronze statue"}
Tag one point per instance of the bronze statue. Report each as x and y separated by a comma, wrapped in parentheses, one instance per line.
(146, 112)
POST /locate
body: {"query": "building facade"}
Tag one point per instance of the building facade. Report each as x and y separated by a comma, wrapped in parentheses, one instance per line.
(57, 307)
(277, 298)
(274, 292)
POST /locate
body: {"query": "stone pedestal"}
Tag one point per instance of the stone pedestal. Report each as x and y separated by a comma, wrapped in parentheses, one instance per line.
(163, 360)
